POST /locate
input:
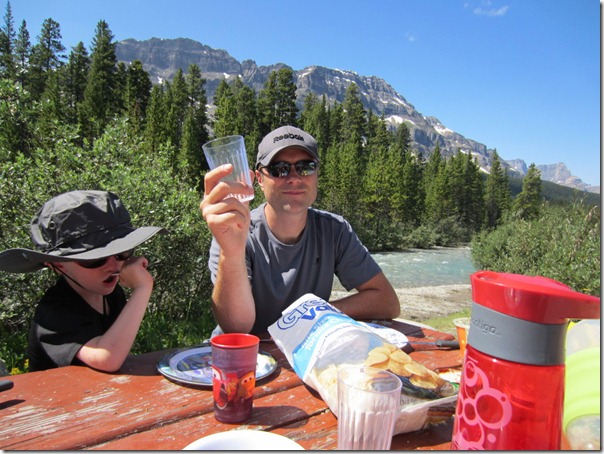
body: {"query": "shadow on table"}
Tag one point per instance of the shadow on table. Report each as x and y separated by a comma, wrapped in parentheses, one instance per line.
(10, 403)
(434, 437)
(289, 415)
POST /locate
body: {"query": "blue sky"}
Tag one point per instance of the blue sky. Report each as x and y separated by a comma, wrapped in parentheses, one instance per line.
(521, 76)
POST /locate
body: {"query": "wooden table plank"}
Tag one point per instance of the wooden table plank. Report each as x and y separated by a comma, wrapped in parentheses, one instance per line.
(74, 407)
(77, 407)
(269, 413)
(319, 433)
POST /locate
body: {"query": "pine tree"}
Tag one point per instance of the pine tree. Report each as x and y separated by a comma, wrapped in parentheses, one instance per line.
(381, 193)
(497, 193)
(246, 115)
(438, 199)
(76, 74)
(277, 101)
(22, 55)
(195, 132)
(120, 86)
(225, 115)
(137, 93)
(155, 127)
(336, 120)
(176, 105)
(411, 203)
(98, 106)
(286, 109)
(527, 204)
(314, 119)
(46, 57)
(355, 117)
(306, 120)
(53, 105)
(7, 43)
(399, 151)
(413, 190)
(472, 212)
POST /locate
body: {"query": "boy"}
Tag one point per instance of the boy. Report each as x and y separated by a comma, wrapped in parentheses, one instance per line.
(86, 237)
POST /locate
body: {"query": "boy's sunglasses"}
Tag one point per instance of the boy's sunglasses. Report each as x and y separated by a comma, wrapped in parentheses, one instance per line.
(282, 169)
(90, 264)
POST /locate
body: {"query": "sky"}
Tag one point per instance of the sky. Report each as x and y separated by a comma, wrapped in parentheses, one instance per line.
(519, 76)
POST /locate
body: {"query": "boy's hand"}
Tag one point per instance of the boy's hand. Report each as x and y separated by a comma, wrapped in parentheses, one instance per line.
(134, 273)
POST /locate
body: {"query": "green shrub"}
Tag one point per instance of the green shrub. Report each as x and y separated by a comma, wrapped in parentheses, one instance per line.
(562, 244)
(422, 237)
(153, 194)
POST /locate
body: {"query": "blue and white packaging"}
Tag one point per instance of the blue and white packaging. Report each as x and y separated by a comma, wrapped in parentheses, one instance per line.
(318, 339)
(314, 334)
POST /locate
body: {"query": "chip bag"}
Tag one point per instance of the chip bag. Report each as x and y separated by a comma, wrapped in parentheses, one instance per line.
(318, 339)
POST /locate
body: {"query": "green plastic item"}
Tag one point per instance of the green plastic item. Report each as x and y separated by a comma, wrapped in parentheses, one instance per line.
(582, 394)
(581, 419)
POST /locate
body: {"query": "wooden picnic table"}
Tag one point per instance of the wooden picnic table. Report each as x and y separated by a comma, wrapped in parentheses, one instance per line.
(137, 408)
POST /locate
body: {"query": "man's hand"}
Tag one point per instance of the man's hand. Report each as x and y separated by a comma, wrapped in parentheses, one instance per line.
(228, 218)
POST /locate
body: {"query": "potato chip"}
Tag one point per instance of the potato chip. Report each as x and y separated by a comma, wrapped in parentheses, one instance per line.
(436, 378)
(391, 348)
(400, 357)
(377, 359)
(398, 368)
(383, 349)
(422, 382)
(416, 369)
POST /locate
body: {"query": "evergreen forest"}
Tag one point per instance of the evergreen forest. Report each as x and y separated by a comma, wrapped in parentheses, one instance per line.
(79, 119)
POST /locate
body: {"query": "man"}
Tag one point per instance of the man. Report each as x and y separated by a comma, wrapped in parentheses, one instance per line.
(262, 261)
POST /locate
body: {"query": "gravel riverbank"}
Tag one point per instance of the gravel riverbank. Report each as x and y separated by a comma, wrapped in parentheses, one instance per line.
(422, 303)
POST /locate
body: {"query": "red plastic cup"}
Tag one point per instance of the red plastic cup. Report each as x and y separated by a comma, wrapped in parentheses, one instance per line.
(234, 358)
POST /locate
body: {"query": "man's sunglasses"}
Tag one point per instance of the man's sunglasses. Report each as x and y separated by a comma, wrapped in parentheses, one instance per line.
(90, 264)
(282, 169)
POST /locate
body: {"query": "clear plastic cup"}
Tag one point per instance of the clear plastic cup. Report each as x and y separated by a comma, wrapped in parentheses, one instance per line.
(234, 358)
(230, 150)
(368, 404)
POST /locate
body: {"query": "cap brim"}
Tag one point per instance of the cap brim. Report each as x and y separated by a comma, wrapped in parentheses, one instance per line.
(21, 260)
(269, 157)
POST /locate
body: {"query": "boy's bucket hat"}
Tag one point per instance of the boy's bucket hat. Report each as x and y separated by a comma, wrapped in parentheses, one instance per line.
(77, 225)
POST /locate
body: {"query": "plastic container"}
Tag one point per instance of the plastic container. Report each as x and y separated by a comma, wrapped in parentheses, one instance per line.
(581, 420)
(462, 325)
(234, 358)
(511, 394)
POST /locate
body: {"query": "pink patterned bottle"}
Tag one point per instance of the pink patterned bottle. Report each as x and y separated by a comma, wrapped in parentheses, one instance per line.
(511, 394)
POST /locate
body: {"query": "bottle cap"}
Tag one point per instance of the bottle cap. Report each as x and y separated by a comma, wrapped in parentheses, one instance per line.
(532, 298)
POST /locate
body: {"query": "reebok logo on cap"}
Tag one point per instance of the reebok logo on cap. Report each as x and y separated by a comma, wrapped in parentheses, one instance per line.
(288, 136)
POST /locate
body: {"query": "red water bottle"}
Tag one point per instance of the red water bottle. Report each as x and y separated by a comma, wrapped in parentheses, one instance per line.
(511, 393)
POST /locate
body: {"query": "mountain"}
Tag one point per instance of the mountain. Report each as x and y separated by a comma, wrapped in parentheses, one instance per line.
(161, 58)
(556, 173)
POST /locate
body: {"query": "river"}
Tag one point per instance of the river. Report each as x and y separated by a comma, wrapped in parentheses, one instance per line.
(424, 267)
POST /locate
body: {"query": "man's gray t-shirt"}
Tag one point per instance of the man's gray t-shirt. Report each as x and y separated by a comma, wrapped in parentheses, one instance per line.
(281, 273)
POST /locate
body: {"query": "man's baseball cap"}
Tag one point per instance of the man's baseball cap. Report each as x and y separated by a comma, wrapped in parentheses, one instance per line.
(285, 137)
